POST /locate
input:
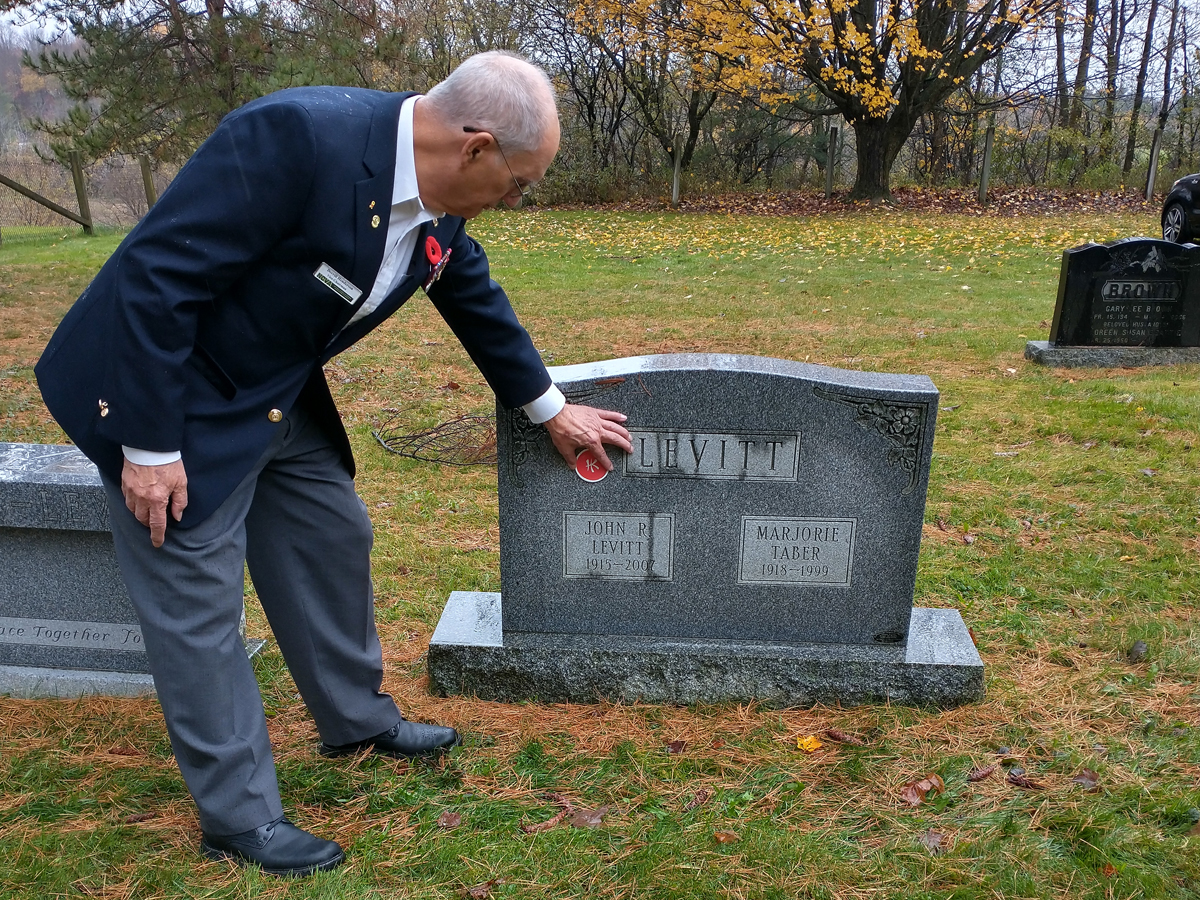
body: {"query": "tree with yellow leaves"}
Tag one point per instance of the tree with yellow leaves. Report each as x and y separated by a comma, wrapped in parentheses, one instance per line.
(882, 63)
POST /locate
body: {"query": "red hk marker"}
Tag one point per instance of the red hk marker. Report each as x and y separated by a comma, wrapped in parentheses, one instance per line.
(588, 467)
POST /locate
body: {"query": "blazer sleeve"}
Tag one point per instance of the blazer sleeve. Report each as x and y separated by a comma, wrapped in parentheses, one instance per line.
(229, 205)
(482, 318)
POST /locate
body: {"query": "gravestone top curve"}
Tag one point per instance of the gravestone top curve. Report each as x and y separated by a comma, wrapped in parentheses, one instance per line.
(46, 464)
(50, 486)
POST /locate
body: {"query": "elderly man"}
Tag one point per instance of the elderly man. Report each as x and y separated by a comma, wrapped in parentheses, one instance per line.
(190, 371)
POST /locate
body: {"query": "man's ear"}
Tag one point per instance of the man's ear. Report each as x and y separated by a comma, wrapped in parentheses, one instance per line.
(476, 142)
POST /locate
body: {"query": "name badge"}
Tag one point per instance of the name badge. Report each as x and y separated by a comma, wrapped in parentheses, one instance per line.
(339, 284)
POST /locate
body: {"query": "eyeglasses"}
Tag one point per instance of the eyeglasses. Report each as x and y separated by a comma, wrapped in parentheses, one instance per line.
(526, 191)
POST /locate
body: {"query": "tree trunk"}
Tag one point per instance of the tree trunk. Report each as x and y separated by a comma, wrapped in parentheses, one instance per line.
(1112, 62)
(876, 148)
(939, 147)
(1063, 97)
(1140, 91)
(1091, 10)
(1165, 108)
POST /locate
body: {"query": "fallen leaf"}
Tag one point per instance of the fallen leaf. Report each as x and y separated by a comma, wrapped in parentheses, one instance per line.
(717, 744)
(934, 842)
(942, 526)
(1088, 445)
(809, 743)
(449, 820)
(843, 737)
(915, 792)
(676, 746)
(1088, 778)
(124, 750)
(1149, 473)
(140, 817)
(983, 772)
(968, 538)
(1022, 781)
(588, 818)
(725, 837)
(1137, 652)
(1125, 559)
(451, 386)
(480, 891)
(1109, 870)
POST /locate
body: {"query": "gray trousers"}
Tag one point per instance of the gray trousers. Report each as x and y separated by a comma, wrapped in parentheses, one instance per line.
(304, 533)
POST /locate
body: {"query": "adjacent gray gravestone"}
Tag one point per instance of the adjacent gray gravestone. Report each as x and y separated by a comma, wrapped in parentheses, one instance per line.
(66, 625)
(1134, 302)
(760, 542)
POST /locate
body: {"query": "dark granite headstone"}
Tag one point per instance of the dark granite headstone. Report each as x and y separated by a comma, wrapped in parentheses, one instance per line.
(1136, 294)
(66, 624)
(760, 542)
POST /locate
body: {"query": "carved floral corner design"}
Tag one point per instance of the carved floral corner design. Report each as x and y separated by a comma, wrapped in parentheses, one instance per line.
(902, 424)
(523, 436)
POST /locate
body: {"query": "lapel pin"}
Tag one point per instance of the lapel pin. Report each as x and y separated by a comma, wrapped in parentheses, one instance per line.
(374, 221)
(371, 205)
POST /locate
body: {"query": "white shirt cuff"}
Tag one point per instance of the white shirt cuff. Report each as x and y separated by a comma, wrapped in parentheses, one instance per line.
(545, 407)
(150, 457)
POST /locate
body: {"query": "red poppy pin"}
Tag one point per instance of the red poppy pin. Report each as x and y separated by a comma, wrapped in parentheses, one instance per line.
(433, 250)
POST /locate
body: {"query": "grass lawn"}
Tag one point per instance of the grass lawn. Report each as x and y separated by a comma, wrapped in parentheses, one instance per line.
(1061, 520)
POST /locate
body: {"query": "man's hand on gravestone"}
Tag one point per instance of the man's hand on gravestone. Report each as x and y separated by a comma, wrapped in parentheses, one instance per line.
(149, 489)
(578, 428)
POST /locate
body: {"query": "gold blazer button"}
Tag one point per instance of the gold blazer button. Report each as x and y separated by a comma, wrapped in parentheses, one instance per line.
(275, 415)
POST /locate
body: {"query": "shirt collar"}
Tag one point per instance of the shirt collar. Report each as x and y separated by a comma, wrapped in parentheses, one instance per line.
(405, 189)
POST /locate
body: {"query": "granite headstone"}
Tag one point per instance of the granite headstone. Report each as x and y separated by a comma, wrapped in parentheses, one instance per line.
(1132, 302)
(760, 542)
(66, 623)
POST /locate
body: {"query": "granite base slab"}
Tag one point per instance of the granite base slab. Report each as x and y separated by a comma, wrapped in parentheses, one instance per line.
(470, 654)
(1048, 354)
(33, 682)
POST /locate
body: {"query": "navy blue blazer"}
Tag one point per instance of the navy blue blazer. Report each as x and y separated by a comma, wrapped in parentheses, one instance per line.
(209, 315)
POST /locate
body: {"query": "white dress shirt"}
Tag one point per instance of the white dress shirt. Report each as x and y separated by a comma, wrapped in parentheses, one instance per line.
(404, 227)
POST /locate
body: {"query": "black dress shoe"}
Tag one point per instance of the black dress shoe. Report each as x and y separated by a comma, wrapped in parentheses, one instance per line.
(278, 848)
(402, 739)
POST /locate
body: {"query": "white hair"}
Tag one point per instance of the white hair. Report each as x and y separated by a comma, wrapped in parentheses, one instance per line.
(500, 93)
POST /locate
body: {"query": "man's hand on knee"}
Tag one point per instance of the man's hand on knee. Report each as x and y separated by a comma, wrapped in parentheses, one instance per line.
(148, 490)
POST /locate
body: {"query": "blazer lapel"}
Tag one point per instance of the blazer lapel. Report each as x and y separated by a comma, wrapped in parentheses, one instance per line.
(418, 271)
(373, 199)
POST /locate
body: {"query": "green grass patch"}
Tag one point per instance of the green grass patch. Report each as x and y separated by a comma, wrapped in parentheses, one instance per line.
(1061, 519)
